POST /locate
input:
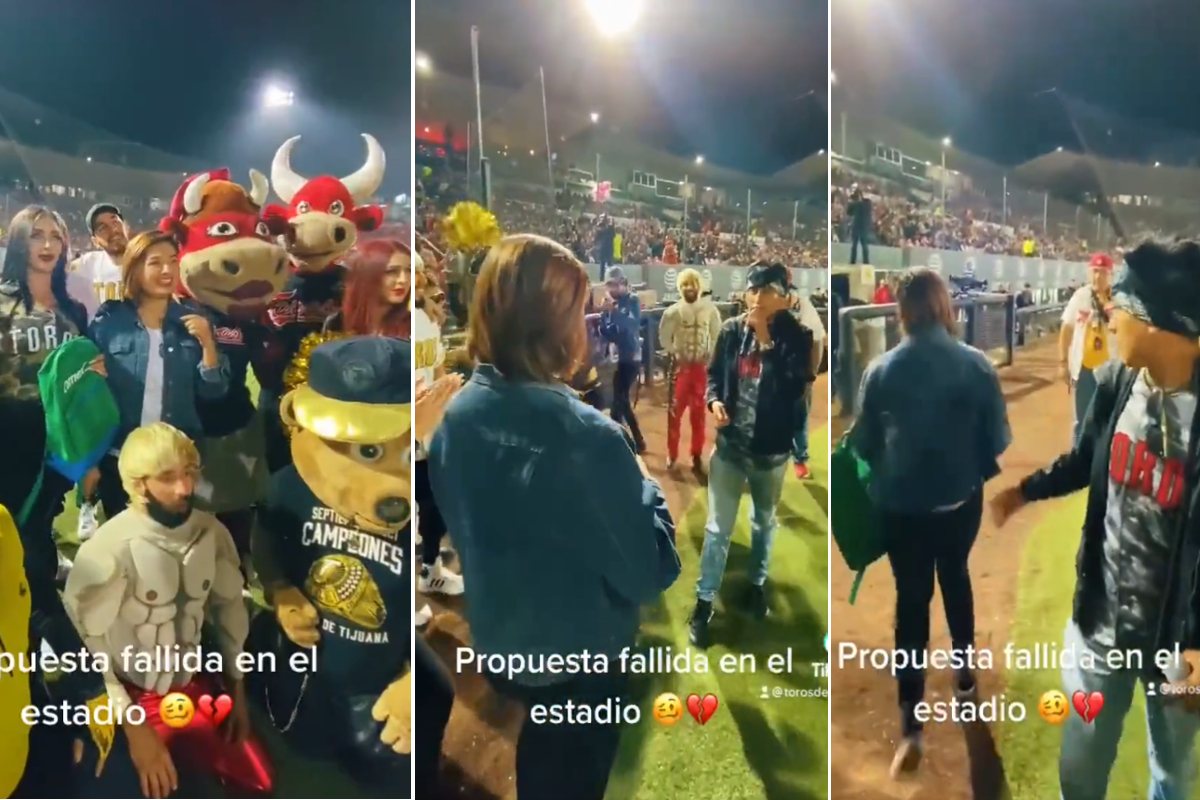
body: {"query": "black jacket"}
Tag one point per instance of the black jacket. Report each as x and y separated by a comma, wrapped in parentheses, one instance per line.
(1087, 466)
(786, 373)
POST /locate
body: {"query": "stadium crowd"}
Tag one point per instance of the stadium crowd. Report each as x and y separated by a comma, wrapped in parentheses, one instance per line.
(643, 231)
(900, 218)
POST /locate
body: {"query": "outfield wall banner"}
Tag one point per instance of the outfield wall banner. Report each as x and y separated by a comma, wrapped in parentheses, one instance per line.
(1039, 273)
(723, 279)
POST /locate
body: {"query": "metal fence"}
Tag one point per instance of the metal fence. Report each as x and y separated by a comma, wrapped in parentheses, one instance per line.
(991, 323)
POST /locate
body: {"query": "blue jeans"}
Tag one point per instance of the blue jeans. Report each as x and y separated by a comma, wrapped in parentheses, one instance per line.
(1084, 391)
(1088, 751)
(800, 440)
(726, 477)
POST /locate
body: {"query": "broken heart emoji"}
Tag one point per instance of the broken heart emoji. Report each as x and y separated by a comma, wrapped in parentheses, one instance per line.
(215, 710)
(702, 708)
(1087, 706)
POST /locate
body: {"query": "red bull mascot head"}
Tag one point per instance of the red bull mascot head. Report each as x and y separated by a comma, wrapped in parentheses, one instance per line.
(326, 213)
(228, 258)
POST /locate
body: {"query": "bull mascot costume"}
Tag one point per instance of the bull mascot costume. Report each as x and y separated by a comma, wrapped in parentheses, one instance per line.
(230, 268)
(323, 216)
(332, 550)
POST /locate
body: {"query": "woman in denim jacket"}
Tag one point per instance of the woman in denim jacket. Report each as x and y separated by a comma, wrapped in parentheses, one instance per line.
(160, 358)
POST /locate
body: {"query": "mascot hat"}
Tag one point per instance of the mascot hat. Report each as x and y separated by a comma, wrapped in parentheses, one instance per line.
(358, 391)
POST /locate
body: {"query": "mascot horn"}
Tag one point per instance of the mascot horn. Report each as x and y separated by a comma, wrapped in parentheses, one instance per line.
(325, 212)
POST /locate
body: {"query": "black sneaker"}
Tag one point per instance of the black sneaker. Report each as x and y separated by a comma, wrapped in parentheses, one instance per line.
(757, 603)
(965, 687)
(702, 614)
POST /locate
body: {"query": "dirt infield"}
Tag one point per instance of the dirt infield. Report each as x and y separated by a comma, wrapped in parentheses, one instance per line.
(959, 763)
(478, 750)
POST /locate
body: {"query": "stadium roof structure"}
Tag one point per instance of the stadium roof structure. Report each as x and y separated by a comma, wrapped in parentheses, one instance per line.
(53, 148)
(809, 170)
(1071, 174)
(45, 167)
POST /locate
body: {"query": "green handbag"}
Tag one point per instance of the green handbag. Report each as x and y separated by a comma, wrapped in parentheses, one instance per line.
(854, 521)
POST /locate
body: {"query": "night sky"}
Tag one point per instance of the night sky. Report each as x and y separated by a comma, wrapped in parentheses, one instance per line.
(978, 71)
(744, 82)
(188, 77)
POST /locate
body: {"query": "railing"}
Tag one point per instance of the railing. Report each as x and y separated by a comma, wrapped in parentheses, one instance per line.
(722, 279)
(1044, 275)
(991, 323)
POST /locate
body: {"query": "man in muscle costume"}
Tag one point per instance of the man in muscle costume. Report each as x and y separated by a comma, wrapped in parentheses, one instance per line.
(142, 589)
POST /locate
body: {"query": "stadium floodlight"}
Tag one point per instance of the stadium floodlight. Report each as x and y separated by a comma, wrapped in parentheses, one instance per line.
(595, 117)
(699, 159)
(423, 63)
(278, 97)
(946, 142)
(614, 17)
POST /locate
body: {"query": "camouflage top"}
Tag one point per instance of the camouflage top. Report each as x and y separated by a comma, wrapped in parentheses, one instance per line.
(26, 338)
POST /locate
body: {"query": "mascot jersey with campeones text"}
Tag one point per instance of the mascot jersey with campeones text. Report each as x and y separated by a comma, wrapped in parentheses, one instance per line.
(361, 584)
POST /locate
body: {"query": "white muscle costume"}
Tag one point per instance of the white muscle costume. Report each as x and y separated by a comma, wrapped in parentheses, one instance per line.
(688, 331)
(137, 584)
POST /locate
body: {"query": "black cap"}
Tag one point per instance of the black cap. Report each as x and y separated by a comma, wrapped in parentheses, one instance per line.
(363, 369)
(776, 276)
(97, 210)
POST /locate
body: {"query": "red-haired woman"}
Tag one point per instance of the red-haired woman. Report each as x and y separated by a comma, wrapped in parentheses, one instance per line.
(378, 291)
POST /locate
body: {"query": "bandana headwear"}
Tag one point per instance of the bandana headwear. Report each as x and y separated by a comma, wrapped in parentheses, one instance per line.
(773, 276)
(1160, 285)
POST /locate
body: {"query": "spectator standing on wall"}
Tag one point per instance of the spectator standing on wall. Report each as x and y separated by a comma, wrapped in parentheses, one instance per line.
(606, 234)
(859, 212)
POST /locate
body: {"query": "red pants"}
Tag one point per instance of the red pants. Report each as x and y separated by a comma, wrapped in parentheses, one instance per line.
(690, 383)
(202, 747)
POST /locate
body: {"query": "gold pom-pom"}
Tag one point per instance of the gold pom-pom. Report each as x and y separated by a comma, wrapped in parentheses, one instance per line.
(297, 371)
(469, 227)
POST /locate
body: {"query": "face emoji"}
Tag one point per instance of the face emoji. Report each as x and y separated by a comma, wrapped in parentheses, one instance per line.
(1053, 707)
(176, 710)
(668, 709)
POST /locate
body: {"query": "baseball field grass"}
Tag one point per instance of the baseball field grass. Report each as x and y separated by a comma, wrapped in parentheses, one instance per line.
(752, 748)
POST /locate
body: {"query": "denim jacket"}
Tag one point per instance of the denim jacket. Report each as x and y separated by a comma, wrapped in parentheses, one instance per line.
(622, 326)
(561, 537)
(932, 423)
(123, 339)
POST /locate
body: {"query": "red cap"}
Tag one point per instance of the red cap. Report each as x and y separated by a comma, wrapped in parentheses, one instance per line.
(1101, 261)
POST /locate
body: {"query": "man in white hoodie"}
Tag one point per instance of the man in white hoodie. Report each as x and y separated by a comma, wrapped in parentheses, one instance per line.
(93, 278)
(688, 332)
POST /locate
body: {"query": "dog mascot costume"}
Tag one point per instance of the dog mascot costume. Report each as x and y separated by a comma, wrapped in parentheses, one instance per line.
(332, 549)
(323, 216)
(141, 592)
(231, 267)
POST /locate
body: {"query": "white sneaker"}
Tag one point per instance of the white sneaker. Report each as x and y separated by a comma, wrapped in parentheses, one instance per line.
(908, 756)
(64, 567)
(87, 521)
(436, 579)
(421, 618)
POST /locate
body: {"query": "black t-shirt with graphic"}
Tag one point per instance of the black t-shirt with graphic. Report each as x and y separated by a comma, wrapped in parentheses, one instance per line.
(27, 337)
(360, 583)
